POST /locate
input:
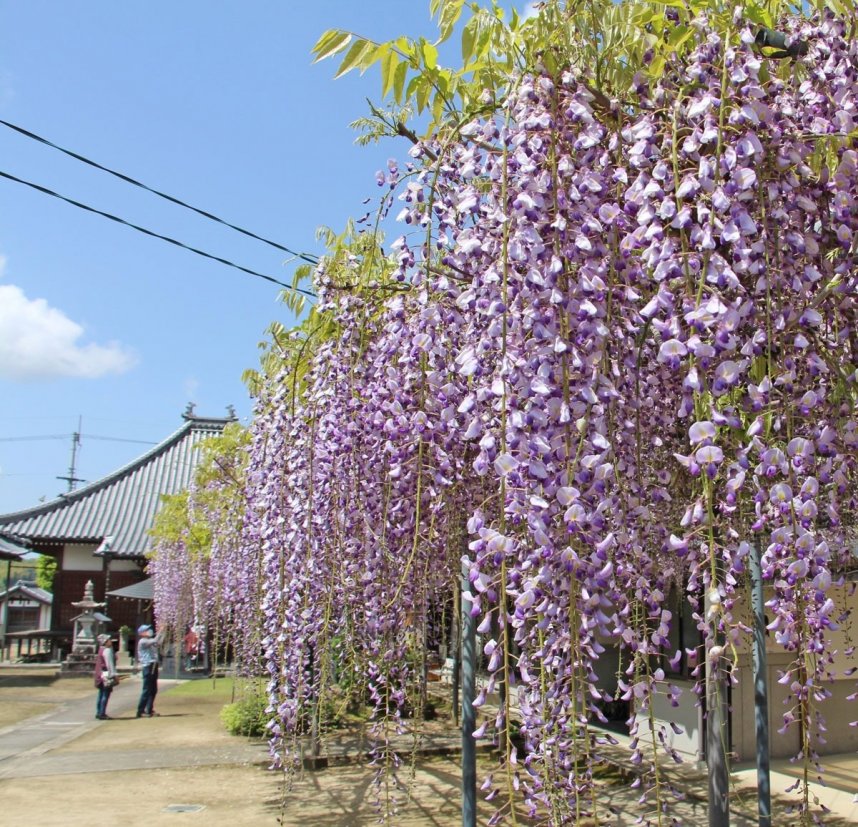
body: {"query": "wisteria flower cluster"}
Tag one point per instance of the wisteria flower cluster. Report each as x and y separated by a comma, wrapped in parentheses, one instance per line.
(625, 358)
(205, 569)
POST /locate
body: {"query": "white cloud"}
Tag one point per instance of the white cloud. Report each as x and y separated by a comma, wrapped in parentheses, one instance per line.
(38, 341)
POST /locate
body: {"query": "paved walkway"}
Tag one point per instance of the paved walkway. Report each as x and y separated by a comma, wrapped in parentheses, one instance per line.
(36, 736)
(34, 747)
(64, 768)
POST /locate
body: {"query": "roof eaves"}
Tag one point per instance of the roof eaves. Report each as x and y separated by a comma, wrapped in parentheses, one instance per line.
(33, 592)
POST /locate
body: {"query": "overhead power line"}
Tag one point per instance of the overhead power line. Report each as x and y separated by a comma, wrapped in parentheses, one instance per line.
(128, 179)
(153, 234)
(82, 436)
(118, 439)
(32, 438)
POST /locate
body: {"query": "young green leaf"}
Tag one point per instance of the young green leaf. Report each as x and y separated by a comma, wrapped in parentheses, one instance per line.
(399, 81)
(450, 13)
(468, 39)
(389, 64)
(678, 36)
(331, 42)
(353, 57)
(430, 55)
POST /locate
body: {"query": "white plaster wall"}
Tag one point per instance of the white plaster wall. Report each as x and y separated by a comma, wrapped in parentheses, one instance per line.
(45, 616)
(79, 557)
(124, 565)
(686, 715)
(840, 640)
(841, 735)
(743, 726)
(837, 711)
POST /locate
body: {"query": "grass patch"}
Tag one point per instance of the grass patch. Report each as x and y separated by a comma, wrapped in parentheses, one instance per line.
(221, 689)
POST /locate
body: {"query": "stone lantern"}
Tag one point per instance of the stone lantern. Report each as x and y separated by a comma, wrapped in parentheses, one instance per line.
(88, 625)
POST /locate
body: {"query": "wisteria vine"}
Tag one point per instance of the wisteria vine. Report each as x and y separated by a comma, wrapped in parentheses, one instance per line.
(624, 354)
(205, 573)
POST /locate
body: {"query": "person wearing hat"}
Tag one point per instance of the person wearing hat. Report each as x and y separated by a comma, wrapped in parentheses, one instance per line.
(148, 657)
(105, 675)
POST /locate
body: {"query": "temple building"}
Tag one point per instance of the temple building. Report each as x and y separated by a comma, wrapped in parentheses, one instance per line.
(100, 532)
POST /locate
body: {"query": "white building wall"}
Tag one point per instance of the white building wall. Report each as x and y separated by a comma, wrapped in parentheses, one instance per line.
(124, 565)
(686, 715)
(79, 557)
(743, 724)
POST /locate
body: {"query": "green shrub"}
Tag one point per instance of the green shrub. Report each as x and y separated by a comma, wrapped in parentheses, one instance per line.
(46, 569)
(246, 716)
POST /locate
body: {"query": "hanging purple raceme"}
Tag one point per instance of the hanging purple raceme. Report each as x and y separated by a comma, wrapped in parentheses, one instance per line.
(171, 577)
(628, 353)
(209, 577)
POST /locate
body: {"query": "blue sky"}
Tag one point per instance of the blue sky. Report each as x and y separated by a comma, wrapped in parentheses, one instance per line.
(216, 103)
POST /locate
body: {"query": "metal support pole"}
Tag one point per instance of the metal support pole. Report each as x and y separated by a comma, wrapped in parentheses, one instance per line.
(315, 760)
(761, 692)
(716, 729)
(469, 717)
(456, 638)
(5, 610)
(107, 558)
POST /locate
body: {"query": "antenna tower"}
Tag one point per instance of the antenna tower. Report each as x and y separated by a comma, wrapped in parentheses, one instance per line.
(71, 479)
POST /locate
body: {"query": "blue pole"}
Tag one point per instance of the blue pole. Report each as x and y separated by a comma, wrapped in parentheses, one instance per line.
(761, 692)
(469, 717)
(717, 727)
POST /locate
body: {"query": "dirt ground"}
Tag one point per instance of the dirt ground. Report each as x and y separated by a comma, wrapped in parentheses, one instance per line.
(231, 797)
(109, 770)
(25, 693)
(183, 769)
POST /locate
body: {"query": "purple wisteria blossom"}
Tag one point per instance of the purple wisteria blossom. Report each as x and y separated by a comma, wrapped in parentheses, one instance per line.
(623, 352)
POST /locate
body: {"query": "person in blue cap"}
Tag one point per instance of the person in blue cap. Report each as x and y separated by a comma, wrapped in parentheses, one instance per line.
(148, 657)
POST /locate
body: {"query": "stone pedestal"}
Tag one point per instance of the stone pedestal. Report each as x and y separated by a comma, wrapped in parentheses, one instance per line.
(77, 664)
(88, 625)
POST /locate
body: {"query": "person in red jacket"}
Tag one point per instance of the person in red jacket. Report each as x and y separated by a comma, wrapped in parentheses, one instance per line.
(192, 647)
(104, 675)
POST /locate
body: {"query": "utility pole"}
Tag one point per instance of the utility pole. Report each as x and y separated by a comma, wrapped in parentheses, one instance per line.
(71, 479)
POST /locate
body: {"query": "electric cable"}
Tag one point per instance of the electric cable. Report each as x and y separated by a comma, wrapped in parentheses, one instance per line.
(153, 234)
(82, 436)
(128, 179)
(32, 438)
(118, 439)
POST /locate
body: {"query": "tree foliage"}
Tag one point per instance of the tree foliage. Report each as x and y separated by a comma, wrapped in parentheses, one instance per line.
(46, 571)
(198, 559)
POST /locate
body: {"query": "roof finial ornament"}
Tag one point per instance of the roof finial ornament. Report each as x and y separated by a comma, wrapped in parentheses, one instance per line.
(189, 411)
(230, 412)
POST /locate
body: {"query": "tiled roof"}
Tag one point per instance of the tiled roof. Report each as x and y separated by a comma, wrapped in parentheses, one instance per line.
(9, 549)
(28, 590)
(144, 590)
(117, 511)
